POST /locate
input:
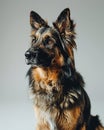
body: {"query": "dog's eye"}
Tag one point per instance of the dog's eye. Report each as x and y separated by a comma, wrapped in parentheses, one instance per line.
(48, 43)
(34, 39)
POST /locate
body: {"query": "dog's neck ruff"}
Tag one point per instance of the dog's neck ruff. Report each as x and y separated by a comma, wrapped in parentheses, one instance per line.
(48, 93)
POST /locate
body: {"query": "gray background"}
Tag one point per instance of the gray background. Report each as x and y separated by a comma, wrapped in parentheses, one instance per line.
(16, 109)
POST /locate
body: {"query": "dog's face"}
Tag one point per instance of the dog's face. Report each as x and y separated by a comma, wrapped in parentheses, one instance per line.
(51, 46)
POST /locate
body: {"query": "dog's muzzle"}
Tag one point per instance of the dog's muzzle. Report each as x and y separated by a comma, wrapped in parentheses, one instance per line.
(30, 56)
(38, 57)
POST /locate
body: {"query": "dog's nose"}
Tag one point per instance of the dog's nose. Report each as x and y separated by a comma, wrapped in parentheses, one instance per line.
(28, 54)
(31, 54)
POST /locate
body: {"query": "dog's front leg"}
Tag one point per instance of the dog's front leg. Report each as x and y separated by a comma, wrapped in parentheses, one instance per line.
(42, 127)
(52, 124)
(46, 126)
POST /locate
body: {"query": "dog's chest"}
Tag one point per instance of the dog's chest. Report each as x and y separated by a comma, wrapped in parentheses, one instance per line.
(48, 90)
(46, 80)
(45, 74)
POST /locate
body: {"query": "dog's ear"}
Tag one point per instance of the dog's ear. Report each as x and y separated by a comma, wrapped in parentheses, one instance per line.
(65, 27)
(36, 21)
(64, 24)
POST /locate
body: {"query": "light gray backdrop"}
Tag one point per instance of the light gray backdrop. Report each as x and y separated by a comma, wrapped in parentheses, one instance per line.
(16, 110)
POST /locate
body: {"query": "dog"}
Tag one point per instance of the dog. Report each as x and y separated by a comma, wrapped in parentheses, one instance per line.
(60, 100)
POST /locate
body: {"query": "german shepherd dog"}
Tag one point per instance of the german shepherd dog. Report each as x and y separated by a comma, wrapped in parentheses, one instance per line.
(60, 101)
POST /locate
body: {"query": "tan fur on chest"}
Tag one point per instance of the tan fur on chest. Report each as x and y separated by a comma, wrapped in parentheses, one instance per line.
(45, 74)
(46, 79)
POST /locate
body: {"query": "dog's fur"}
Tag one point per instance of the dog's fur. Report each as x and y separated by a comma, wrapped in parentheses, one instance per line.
(60, 101)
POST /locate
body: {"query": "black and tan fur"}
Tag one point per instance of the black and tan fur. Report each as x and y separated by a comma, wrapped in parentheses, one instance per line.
(60, 101)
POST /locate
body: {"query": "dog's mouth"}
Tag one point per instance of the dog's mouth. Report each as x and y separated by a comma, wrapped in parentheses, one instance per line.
(38, 58)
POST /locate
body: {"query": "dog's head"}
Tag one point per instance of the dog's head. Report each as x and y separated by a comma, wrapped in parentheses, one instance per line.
(51, 46)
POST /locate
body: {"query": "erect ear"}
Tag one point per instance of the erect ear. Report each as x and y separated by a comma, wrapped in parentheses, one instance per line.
(65, 27)
(63, 23)
(36, 21)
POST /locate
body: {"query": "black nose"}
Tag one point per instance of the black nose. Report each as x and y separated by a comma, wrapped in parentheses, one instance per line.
(28, 54)
(31, 54)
